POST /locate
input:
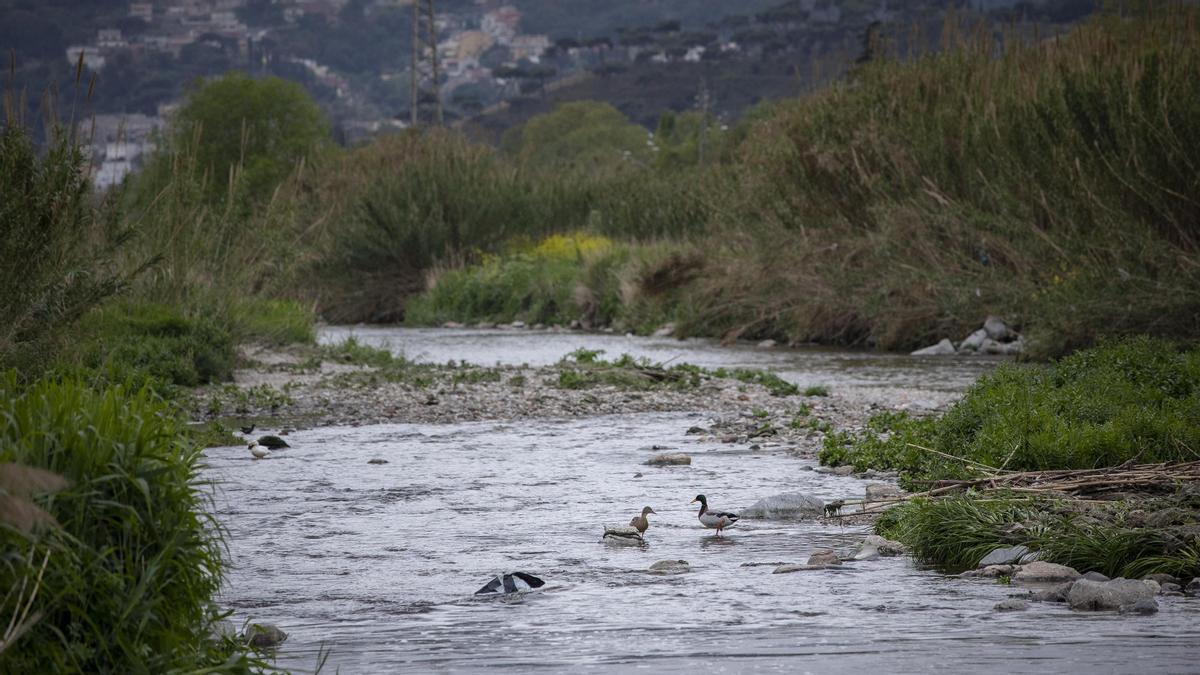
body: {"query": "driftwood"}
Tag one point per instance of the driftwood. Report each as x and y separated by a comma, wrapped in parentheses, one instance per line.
(1073, 484)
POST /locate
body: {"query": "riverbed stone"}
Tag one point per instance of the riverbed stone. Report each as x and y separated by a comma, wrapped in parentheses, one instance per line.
(1093, 575)
(1011, 605)
(622, 535)
(670, 459)
(824, 557)
(876, 492)
(1053, 594)
(943, 348)
(376, 460)
(1163, 579)
(787, 506)
(766, 344)
(785, 569)
(1088, 595)
(1005, 555)
(996, 329)
(972, 342)
(1193, 587)
(1144, 606)
(991, 572)
(665, 330)
(875, 545)
(1044, 572)
(670, 567)
(1170, 589)
(264, 635)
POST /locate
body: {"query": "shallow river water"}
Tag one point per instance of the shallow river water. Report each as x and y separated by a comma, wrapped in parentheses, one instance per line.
(378, 563)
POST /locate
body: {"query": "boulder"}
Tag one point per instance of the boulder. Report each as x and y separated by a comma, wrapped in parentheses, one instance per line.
(670, 567)
(1163, 579)
(1093, 575)
(1011, 605)
(787, 506)
(1107, 595)
(824, 557)
(665, 330)
(881, 546)
(1005, 555)
(1153, 585)
(991, 572)
(844, 470)
(943, 348)
(877, 492)
(766, 344)
(264, 635)
(991, 346)
(1145, 606)
(972, 342)
(1016, 347)
(784, 569)
(1043, 572)
(996, 329)
(622, 535)
(670, 459)
(695, 430)
(1055, 594)
(518, 324)
(1193, 587)
(1171, 589)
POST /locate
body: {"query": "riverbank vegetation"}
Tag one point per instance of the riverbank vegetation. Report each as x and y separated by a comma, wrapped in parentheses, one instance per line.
(1090, 460)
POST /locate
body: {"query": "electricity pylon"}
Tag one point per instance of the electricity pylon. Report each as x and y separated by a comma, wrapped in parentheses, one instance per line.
(425, 89)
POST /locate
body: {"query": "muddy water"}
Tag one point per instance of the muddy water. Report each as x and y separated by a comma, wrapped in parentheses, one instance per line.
(378, 562)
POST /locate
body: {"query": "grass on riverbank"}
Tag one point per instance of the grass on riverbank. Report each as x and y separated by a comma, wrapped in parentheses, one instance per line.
(1131, 400)
(134, 560)
(1119, 539)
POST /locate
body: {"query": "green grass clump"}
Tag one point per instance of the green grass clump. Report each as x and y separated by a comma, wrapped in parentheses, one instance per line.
(155, 343)
(273, 322)
(954, 534)
(1134, 399)
(351, 351)
(816, 390)
(136, 559)
(774, 384)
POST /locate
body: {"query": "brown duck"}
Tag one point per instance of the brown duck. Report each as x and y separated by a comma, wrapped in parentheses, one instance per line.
(640, 523)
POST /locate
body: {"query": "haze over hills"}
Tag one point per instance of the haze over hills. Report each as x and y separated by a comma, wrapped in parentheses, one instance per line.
(501, 60)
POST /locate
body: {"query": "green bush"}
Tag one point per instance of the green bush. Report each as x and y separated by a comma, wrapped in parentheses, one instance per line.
(132, 569)
(1135, 399)
(157, 342)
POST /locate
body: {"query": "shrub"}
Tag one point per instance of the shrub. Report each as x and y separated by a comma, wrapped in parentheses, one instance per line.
(133, 567)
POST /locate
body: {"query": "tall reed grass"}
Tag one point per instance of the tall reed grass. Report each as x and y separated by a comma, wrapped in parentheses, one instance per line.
(136, 559)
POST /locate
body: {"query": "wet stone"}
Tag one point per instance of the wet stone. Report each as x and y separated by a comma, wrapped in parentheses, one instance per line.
(1011, 605)
(377, 461)
(264, 635)
(824, 557)
(1041, 572)
(1007, 555)
(1093, 575)
(671, 567)
(1144, 606)
(671, 459)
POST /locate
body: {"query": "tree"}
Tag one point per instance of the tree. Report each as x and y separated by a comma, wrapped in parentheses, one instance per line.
(264, 126)
(579, 134)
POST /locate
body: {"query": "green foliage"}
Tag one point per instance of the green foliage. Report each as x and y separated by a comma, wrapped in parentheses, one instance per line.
(58, 245)
(251, 130)
(273, 322)
(352, 351)
(1133, 399)
(581, 135)
(954, 534)
(774, 384)
(154, 343)
(816, 390)
(131, 573)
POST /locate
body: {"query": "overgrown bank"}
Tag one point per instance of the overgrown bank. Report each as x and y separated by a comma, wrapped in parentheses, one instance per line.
(1091, 460)
(1052, 184)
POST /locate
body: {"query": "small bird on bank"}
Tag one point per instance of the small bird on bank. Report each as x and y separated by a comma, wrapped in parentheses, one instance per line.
(259, 451)
(248, 430)
(712, 518)
(640, 523)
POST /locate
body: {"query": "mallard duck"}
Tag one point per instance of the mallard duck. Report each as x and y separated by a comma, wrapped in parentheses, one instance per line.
(259, 451)
(272, 442)
(640, 523)
(712, 518)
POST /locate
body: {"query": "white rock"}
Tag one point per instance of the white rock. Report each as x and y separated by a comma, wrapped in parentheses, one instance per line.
(996, 328)
(973, 341)
(1040, 572)
(766, 344)
(666, 330)
(943, 348)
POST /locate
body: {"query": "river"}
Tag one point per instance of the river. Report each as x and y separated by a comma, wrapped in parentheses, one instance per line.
(378, 562)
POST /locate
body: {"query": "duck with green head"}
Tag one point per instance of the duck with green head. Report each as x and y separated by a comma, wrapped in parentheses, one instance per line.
(713, 518)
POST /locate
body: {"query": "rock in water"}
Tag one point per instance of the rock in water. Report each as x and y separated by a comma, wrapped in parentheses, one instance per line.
(512, 582)
(940, 350)
(787, 506)
(272, 442)
(670, 567)
(973, 341)
(1108, 595)
(824, 557)
(875, 545)
(1011, 605)
(1043, 572)
(672, 459)
(622, 535)
(264, 635)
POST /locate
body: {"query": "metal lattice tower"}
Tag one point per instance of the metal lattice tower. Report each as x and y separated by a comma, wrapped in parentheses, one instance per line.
(425, 96)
